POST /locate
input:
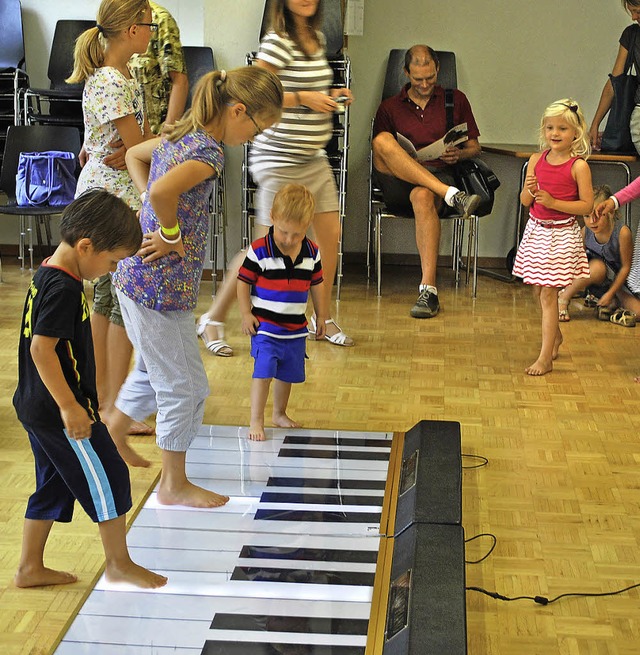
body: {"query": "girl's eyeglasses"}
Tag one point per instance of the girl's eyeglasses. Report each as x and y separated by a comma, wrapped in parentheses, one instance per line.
(259, 130)
(153, 27)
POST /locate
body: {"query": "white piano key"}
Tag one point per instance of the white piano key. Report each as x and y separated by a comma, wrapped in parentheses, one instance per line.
(93, 648)
(212, 584)
(249, 474)
(199, 608)
(151, 537)
(228, 431)
(126, 631)
(269, 460)
(195, 520)
(307, 565)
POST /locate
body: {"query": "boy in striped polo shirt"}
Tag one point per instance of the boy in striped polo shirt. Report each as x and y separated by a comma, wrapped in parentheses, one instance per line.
(273, 287)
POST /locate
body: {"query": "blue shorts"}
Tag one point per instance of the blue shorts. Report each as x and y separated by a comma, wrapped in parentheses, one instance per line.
(282, 359)
(90, 471)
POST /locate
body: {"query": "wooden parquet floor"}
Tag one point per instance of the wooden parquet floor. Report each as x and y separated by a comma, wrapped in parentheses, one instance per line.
(561, 491)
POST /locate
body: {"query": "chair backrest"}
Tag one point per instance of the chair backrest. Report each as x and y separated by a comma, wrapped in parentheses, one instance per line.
(332, 24)
(12, 41)
(199, 60)
(395, 77)
(33, 138)
(62, 47)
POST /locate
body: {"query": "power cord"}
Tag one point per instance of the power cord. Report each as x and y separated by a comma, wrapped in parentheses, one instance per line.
(543, 600)
(483, 461)
(493, 545)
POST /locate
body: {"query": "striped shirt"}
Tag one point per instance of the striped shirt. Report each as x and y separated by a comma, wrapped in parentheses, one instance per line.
(280, 286)
(301, 133)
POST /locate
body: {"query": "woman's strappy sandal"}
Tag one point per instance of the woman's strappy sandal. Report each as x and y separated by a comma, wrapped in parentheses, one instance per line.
(217, 346)
(337, 339)
(623, 317)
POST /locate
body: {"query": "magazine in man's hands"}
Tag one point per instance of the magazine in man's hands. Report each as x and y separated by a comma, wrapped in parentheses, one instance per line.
(457, 134)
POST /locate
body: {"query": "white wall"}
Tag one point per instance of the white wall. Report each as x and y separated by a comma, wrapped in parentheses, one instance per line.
(514, 57)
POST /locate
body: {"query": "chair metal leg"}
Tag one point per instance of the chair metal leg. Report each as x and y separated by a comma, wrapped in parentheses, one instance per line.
(30, 232)
(21, 241)
(475, 255)
(378, 248)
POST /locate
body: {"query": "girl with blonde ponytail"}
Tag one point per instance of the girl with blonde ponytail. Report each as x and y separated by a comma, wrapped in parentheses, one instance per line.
(158, 287)
(112, 103)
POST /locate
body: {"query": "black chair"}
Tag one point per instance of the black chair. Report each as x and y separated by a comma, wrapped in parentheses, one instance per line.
(32, 138)
(199, 60)
(61, 103)
(395, 79)
(13, 76)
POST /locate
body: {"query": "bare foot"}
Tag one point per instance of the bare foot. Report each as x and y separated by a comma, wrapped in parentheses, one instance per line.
(637, 379)
(141, 429)
(256, 432)
(539, 367)
(131, 457)
(190, 495)
(134, 574)
(283, 421)
(556, 345)
(42, 577)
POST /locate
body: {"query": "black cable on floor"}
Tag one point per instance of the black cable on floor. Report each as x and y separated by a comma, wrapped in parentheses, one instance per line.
(543, 600)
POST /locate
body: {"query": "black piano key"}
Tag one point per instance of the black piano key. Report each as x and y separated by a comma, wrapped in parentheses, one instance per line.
(333, 454)
(250, 648)
(317, 516)
(297, 624)
(334, 441)
(302, 576)
(311, 554)
(325, 483)
(325, 499)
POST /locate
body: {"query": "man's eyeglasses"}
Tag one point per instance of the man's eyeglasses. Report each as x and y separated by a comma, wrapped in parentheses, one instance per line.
(152, 26)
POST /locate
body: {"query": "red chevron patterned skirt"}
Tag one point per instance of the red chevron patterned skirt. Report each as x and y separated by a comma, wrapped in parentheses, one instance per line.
(551, 254)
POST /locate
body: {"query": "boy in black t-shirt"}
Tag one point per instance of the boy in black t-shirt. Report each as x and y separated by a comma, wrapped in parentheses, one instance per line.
(56, 398)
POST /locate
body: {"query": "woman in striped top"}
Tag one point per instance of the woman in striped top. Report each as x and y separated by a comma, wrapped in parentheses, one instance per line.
(557, 189)
(292, 150)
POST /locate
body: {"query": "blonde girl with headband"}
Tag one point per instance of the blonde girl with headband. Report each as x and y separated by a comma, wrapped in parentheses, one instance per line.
(158, 287)
(609, 246)
(112, 104)
(557, 189)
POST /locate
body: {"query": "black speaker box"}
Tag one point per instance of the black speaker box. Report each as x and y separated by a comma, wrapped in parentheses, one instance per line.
(430, 488)
(426, 613)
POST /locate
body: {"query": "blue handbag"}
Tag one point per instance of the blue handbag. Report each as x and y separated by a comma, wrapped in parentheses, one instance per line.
(46, 178)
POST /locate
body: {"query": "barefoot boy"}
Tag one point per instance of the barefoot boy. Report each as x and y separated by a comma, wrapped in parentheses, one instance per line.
(273, 286)
(56, 398)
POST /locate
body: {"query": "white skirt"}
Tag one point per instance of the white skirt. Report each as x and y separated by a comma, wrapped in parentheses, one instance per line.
(551, 256)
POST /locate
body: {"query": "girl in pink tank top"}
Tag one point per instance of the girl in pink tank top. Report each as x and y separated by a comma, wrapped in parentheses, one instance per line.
(557, 189)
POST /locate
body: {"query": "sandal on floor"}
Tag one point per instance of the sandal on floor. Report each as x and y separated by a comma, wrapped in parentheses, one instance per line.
(337, 339)
(216, 346)
(623, 317)
(563, 311)
(590, 300)
(604, 313)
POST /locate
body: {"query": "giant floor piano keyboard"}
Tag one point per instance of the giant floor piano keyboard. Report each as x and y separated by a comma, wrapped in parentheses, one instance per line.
(333, 543)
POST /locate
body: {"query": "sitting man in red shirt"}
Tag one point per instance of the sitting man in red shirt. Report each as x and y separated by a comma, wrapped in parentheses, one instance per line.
(418, 113)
